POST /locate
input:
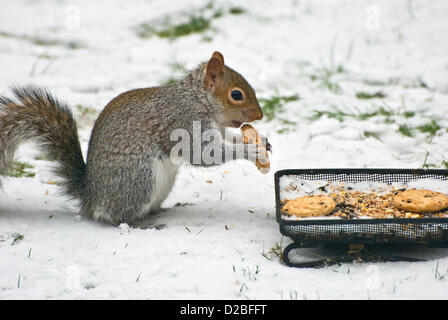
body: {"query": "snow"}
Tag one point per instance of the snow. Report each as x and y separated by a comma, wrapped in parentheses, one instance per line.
(220, 240)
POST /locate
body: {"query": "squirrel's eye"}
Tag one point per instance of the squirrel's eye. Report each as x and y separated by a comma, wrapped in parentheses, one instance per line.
(236, 95)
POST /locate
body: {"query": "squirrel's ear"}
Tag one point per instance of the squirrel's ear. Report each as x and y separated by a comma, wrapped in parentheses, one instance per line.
(218, 56)
(214, 69)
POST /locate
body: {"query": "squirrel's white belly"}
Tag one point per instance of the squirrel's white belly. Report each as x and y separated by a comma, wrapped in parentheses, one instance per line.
(164, 173)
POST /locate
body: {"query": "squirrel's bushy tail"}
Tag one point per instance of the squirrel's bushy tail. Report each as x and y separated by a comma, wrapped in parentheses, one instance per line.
(34, 114)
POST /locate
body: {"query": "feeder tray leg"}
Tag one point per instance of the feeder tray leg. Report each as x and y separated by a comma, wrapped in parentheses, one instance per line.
(355, 253)
(308, 264)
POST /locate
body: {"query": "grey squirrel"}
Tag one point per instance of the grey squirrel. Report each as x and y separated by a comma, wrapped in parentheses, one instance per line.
(128, 172)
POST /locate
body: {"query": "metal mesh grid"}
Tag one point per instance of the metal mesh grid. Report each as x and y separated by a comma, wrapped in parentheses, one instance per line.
(372, 232)
(373, 177)
(392, 230)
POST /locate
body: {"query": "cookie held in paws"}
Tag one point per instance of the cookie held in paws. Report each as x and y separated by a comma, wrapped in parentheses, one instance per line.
(310, 206)
(421, 201)
(251, 136)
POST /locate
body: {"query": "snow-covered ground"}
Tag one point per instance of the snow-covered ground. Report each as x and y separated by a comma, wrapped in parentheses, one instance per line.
(220, 239)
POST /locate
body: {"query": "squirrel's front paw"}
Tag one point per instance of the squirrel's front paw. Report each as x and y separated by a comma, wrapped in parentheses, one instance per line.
(266, 143)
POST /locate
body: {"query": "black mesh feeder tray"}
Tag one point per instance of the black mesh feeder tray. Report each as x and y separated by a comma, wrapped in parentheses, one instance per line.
(365, 238)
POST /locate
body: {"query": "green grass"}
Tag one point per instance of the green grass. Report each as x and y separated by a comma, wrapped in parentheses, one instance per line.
(331, 85)
(274, 105)
(340, 115)
(20, 170)
(237, 10)
(198, 22)
(367, 95)
(431, 128)
(194, 24)
(378, 112)
(335, 114)
(387, 115)
(408, 114)
(17, 238)
(405, 130)
(324, 77)
(368, 134)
